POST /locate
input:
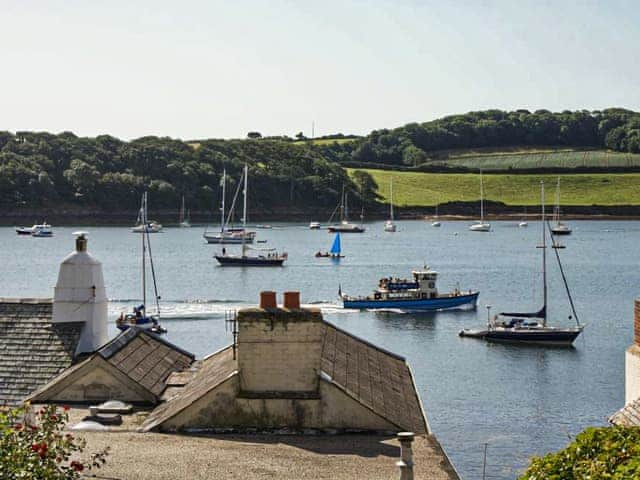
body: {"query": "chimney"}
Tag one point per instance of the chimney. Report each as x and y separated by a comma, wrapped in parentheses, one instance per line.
(279, 350)
(80, 296)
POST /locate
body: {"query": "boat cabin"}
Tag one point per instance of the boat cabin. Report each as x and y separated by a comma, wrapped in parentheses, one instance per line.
(423, 285)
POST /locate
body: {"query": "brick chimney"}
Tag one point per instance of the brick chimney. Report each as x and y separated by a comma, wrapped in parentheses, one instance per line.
(636, 322)
(279, 349)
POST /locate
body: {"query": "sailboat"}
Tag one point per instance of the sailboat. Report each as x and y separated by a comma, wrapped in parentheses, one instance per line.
(335, 252)
(227, 234)
(481, 226)
(140, 317)
(344, 226)
(436, 222)
(559, 228)
(389, 226)
(518, 328)
(523, 223)
(143, 225)
(184, 221)
(270, 259)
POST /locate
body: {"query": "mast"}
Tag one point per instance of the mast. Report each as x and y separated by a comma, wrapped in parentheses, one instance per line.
(391, 199)
(342, 205)
(182, 210)
(481, 198)
(346, 206)
(224, 184)
(556, 209)
(144, 254)
(244, 212)
(544, 260)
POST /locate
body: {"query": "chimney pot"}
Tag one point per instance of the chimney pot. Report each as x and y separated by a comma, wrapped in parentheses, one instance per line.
(292, 300)
(268, 300)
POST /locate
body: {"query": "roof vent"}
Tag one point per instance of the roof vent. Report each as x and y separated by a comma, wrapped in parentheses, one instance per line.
(81, 241)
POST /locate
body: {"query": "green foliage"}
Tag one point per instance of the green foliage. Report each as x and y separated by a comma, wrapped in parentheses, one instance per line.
(614, 128)
(428, 189)
(33, 446)
(607, 453)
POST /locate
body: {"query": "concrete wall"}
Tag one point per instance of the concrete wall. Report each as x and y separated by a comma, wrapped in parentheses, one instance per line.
(223, 408)
(94, 381)
(279, 350)
(632, 360)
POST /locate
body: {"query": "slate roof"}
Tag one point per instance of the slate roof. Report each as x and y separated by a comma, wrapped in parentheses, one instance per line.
(627, 416)
(32, 349)
(146, 358)
(379, 380)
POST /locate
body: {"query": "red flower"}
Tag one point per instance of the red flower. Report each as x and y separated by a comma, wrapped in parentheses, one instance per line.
(34, 428)
(35, 447)
(65, 408)
(18, 427)
(69, 436)
(54, 417)
(77, 466)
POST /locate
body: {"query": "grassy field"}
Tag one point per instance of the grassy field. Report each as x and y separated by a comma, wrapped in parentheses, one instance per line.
(425, 189)
(324, 141)
(566, 158)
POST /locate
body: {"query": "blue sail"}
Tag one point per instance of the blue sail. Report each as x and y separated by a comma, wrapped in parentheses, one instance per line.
(335, 248)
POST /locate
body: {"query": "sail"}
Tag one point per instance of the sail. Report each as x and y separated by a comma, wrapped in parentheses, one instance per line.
(542, 313)
(335, 248)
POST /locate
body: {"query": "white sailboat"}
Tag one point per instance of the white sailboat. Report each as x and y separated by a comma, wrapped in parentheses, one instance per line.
(143, 225)
(229, 235)
(559, 228)
(481, 225)
(270, 259)
(389, 226)
(184, 221)
(436, 222)
(344, 226)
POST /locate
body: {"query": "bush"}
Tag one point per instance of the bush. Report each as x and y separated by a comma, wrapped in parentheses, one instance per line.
(33, 446)
(611, 453)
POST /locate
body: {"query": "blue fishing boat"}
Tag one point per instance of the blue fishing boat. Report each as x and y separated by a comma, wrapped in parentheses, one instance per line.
(419, 293)
(335, 252)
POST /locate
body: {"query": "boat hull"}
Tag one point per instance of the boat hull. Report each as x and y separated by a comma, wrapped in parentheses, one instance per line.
(424, 304)
(558, 337)
(238, 261)
(560, 231)
(480, 227)
(340, 229)
(228, 240)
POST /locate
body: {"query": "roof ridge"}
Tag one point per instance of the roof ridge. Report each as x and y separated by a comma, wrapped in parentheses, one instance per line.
(366, 342)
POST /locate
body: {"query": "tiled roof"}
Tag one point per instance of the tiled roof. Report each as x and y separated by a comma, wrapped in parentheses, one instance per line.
(378, 379)
(212, 371)
(146, 358)
(627, 416)
(32, 349)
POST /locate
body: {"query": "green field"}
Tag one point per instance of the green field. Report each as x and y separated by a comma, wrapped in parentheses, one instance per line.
(565, 158)
(426, 189)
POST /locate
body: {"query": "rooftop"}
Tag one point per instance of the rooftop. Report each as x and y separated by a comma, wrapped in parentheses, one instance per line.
(32, 349)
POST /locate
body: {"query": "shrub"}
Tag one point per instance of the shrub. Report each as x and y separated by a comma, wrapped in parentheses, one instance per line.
(611, 453)
(34, 446)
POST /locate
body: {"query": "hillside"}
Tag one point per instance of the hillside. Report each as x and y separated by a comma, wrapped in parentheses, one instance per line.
(417, 189)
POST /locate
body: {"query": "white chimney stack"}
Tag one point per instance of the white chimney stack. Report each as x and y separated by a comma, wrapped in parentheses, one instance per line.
(80, 296)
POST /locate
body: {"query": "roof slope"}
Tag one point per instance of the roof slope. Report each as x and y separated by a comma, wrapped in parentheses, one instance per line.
(378, 379)
(212, 371)
(146, 358)
(32, 349)
(627, 416)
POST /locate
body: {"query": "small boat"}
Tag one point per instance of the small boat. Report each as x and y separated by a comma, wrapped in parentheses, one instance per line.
(559, 228)
(229, 235)
(43, 230)
(481, 225)
(315, 226)
(436, 222)
(344, 226)
(523, 223)
(531, 328)
(417, 294)
(389, 226)
(184, 220)
(151, 227)
(335, 252)
(141, 318)
(270, 259)
(24, 230)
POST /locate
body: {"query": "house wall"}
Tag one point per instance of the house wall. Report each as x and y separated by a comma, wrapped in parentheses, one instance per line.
(279, 350)
(222, 407)
(632, 360)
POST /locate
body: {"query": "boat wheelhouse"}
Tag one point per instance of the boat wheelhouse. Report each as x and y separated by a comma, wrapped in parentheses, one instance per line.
(418, 293)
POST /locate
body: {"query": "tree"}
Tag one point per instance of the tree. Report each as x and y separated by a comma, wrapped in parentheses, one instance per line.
(366, 186)
(300, 136)
(254, 135)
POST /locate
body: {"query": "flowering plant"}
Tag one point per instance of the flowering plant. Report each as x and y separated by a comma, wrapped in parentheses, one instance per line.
(34, 446)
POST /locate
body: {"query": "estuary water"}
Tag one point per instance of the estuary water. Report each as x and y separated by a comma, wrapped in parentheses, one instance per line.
(520, 401)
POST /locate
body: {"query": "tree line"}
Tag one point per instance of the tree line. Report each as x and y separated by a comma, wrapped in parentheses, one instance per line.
(419, 143)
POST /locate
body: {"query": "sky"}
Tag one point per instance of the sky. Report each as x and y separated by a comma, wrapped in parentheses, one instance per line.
(219, 69)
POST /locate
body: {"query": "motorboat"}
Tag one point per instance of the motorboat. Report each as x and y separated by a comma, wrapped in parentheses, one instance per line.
(24, 230)
(416, 294)
(42, 230)
(149, 227)
(315, 226)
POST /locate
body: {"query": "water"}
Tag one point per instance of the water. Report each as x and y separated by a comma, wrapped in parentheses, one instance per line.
(521, 401)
